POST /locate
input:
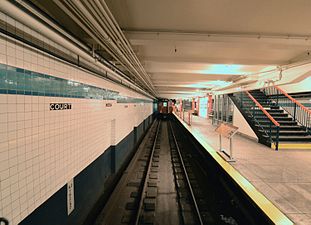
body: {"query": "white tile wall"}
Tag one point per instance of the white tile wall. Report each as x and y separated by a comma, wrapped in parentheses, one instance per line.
(40, 150)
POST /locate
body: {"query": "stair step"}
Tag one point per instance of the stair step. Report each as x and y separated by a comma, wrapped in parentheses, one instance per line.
(275, 110)
(267, 122)
(288, 133)
(260, 113)
(277, 118)
(251, 104)
(266, 107)
(278, 114)
(267, 127)
(294, 138)
(259, 96)
(271, 111)
(260, 101)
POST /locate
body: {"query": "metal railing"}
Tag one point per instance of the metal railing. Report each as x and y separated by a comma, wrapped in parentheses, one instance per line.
(299, 112)
(259, 115)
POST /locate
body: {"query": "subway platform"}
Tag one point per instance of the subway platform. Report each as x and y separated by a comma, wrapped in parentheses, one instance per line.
(276, 174)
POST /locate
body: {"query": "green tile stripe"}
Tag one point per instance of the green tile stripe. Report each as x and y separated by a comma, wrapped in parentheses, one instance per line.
(20, 81)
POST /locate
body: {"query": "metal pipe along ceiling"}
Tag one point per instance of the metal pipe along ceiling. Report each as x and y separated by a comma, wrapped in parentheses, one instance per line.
(96, 19)
(18, 14)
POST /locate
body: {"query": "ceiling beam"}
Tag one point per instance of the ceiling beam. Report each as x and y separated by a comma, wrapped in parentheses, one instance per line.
(177, 92)
(210, 60)
(186, 78)
(184, 85)
(176, 88)
(150, 38)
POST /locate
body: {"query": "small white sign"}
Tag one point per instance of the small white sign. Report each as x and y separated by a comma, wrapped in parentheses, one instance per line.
(70, 197)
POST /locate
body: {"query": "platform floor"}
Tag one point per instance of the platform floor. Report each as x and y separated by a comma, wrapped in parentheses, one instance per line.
(284, 176)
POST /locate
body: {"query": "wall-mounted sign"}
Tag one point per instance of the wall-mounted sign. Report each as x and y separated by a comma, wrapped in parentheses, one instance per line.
(60, 106)
(108, 104)
(70, 197)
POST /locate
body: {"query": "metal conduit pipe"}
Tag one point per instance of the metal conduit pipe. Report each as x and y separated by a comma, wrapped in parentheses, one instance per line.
(88, 30)
(57, 28)
(51, 24)
(92, 30)
(96, 10)
(54, 25)
(29, 21)
(18, 14)
(111, 33)
(124, 38)
(102, 5)
(89, 17)
(110, 30)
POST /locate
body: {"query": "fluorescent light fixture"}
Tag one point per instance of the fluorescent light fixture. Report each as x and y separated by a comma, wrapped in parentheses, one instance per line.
(210, 84)
(235, 69)
(231, 69)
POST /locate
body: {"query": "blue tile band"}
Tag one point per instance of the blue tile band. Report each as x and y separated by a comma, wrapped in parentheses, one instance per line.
(20, 81)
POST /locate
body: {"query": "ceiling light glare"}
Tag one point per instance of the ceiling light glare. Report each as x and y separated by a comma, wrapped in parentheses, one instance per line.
(232, 69)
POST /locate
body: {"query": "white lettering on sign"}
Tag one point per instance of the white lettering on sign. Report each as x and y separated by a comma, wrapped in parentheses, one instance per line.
(70, 197)
(60, 106)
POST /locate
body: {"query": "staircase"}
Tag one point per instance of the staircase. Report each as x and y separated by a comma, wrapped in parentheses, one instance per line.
(273, 125)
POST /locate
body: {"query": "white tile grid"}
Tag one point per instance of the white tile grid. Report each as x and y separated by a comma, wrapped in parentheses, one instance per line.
(3, 46)
(4, 153)
(41, 149)
(84, 123)
(23, 57)
(19, 56)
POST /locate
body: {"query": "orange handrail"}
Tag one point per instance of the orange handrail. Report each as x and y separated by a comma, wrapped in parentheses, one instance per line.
(292, 99)
(263, 110)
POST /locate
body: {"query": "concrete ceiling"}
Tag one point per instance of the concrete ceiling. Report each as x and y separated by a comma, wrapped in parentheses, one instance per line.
(190, 47)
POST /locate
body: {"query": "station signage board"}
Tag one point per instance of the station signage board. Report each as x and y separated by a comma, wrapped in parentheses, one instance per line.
(60, 106)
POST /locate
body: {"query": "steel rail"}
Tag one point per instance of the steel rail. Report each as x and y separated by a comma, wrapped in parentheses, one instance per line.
(146, 177)
(187, 178)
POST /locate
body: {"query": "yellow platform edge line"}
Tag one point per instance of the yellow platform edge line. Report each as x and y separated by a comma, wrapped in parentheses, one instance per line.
(275, 215)
(300, 146)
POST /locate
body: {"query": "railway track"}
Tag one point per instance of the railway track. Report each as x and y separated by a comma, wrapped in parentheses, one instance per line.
(168, 182)
(188, 205)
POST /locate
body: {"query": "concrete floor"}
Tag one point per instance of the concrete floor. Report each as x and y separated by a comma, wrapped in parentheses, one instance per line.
(282, 176)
